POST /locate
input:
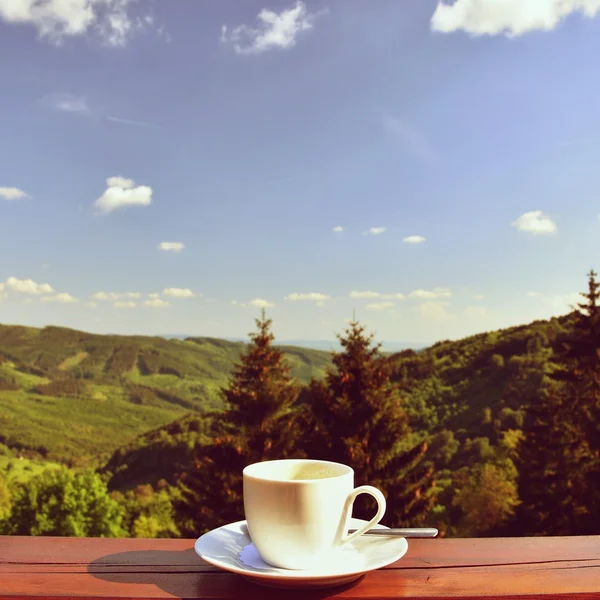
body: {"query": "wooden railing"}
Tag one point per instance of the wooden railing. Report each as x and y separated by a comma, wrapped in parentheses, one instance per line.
(103, 569)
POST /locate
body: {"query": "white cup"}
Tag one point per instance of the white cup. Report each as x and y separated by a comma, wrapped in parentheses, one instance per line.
(298, 510)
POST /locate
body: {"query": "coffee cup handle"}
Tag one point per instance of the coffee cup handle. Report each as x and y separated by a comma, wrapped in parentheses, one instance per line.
(363, 489)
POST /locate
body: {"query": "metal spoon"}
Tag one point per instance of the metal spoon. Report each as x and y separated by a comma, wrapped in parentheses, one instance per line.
(409, 532)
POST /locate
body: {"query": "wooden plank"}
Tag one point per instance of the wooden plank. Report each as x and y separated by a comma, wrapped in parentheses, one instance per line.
(433, 553)
(575, 581)
(56, 550)
(103, 569)
(100, 570)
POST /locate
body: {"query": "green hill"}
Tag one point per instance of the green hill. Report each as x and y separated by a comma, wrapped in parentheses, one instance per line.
(469, 385)
(158, 454)
(73, 396)
(460, 395)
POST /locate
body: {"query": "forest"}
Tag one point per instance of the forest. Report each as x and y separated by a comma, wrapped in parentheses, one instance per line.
(493, 435)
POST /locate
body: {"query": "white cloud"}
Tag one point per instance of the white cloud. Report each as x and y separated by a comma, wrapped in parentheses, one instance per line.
(105, 296)
(535, 222)
(556, 304)
(260, 303)
(409, 136)
(377, 230)
(437, 292)
(273, 30)
(414, 239)
(122, 182)
(380, 306)
(171, 246)
(130, 122)
(64, 298)
(478, 297)
(366, 294)
(154, 295)
(66, 102)
(370, 295)
(27, 286)
(424, 294)
(71, 103)
(102, 296)
(441, 292)
(91, 305)
(338, 229)
(122, 192)
(156, 303)
(507, 17)
(476, 311)
(56, 20)
(434, 310)
(310, 296)
(124, 304)
(12, 193)
(178, 292)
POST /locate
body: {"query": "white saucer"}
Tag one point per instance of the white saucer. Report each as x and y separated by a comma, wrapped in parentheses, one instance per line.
(230, 548)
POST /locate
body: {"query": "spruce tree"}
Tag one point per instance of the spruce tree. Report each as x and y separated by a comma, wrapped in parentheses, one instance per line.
(553, 468)
(581, 362)
(560, 462)
(580, 374)
(257, 425)
(355, 416)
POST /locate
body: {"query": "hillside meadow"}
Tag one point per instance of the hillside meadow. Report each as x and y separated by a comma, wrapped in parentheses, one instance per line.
(75, 397)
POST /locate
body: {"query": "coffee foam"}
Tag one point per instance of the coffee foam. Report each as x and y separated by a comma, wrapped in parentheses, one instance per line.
(305, 472)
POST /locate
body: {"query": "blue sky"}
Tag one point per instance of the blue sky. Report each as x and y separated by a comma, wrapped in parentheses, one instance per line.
(172, 166)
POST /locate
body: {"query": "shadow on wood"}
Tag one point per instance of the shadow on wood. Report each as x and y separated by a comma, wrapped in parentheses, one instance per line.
(184, 575)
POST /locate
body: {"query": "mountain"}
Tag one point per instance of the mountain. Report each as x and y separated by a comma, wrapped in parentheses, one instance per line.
(474, 385)
(334, 346)
(325, 345)
(461, 396)
(79, 397)
(71, 395)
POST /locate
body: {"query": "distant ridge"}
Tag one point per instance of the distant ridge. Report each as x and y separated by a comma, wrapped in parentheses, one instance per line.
(326, 345)
(460, 395)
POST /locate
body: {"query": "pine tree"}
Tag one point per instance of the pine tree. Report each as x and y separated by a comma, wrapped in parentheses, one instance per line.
(552, 468)
(355, 417)
(262, 393)
(581, 362)
(560, 462)
(580, 374)
(257, 425)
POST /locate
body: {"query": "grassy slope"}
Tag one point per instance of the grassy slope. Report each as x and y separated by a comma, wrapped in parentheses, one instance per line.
(68, 394)
(20, 470)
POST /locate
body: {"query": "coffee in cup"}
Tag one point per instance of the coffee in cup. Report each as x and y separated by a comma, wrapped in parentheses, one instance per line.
(298, 510)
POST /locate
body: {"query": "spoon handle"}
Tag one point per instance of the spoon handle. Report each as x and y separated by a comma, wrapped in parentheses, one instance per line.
(408, 532)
